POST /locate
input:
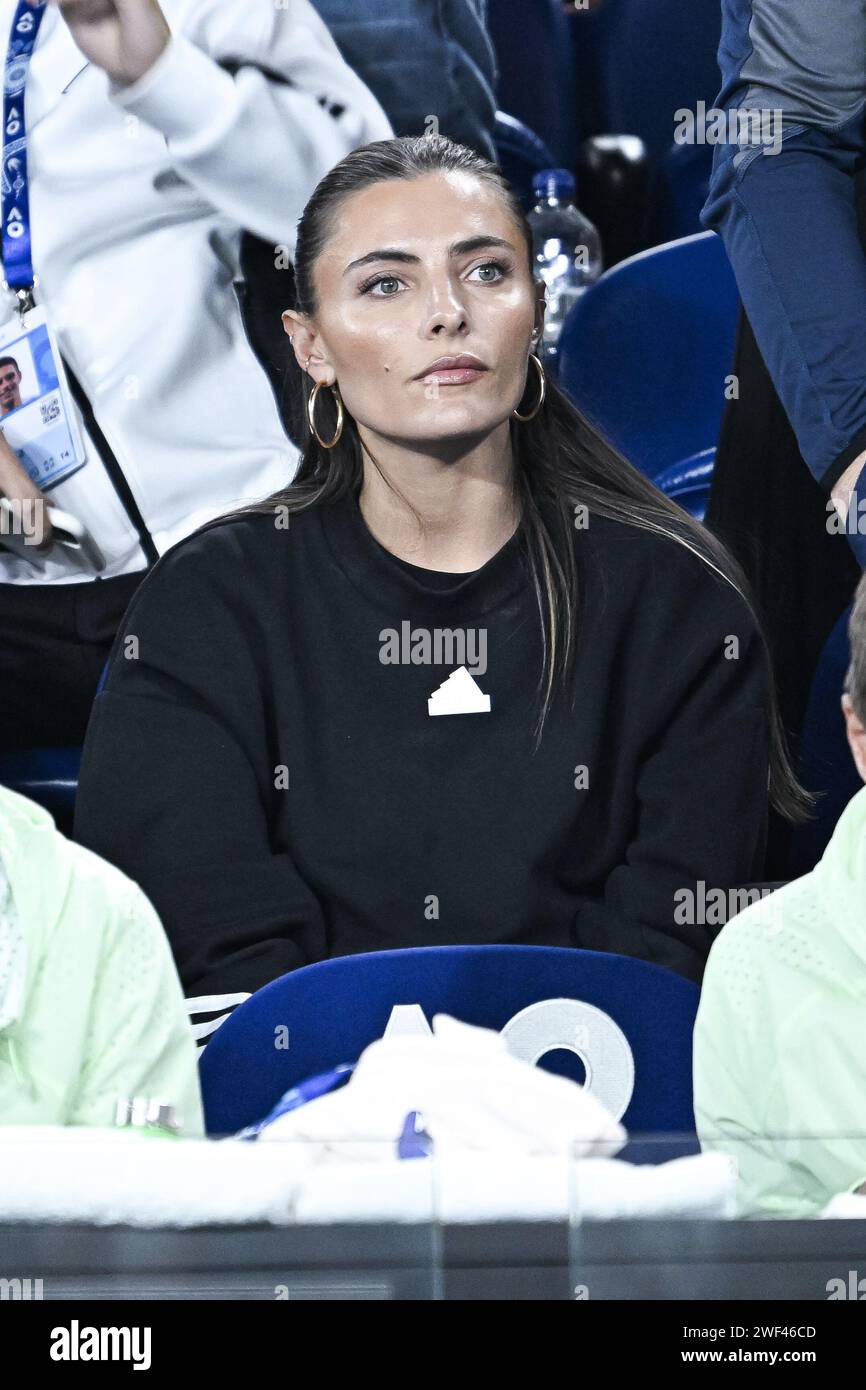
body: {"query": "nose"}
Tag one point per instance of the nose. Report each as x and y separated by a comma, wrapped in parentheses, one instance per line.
(446, 309)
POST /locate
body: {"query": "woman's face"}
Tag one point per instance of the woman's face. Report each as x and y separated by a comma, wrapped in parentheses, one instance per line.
(417, 270)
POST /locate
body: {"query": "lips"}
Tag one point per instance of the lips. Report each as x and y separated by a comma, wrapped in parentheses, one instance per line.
(454, 369)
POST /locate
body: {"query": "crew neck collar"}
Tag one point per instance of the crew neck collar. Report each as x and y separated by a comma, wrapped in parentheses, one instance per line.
(385, 581)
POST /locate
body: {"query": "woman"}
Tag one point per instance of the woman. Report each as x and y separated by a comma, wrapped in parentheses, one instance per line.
(279, 756)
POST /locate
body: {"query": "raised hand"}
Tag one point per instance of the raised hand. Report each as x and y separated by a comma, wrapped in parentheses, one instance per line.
(123, 37)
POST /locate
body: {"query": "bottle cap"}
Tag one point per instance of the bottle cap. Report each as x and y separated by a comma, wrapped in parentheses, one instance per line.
(554, 183)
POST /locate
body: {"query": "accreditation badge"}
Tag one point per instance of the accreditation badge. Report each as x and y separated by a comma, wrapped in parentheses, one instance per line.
(37, 415)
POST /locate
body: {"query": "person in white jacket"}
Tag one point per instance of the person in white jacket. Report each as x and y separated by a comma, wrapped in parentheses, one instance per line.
(158, 132)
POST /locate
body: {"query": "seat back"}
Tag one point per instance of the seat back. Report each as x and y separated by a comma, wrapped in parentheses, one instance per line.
(689, 482)
(646, 351)
(520, 154)
(48, 776)
(621, 1025)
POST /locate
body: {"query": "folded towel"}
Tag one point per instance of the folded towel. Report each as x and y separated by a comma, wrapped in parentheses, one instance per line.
(517, 1187)
(109, 1177)
(121, 1178)
(471, 1093)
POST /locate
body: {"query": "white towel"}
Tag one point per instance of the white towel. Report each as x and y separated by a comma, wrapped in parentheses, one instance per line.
(115, 1177)
(471, 1092)
(483, 1188)
(109, 1177)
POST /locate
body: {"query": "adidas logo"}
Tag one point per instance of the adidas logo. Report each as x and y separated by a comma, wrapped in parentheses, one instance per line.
(459, 694)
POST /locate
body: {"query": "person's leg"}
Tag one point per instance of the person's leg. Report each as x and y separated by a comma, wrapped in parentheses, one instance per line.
(54, 642)
(767, 508)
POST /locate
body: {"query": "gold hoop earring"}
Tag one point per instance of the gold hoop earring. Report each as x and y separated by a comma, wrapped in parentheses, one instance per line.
(311, 414)
(532, 414)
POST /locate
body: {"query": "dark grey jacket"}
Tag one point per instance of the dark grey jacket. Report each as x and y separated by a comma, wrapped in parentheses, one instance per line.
(422, 59)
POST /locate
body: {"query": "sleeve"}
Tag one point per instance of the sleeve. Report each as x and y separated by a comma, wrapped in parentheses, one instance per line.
(728, 1091)
(446, 67)
(701, 787)
(782, 196)
(177, 781)
(139, 1041)
(816, 1101)
(256, 104)
(779, 1092)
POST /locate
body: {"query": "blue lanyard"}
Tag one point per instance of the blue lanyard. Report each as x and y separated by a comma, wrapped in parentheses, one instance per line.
(14, 199)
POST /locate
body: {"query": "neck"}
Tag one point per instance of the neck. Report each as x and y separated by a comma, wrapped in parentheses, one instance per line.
(451, 514)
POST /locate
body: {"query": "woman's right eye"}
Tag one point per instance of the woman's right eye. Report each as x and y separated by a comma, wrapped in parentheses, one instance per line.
(378, 280)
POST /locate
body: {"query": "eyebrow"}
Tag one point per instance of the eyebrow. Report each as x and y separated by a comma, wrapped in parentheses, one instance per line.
(457, 248)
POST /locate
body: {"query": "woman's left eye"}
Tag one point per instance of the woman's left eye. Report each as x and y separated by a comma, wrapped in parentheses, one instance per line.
(491, 265)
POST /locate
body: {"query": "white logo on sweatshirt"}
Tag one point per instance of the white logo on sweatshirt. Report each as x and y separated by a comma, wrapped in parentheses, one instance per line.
(459, 694)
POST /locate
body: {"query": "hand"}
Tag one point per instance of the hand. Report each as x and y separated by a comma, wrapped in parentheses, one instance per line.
(123, 37)
(16, 484)
(844, 486)
(849, 495)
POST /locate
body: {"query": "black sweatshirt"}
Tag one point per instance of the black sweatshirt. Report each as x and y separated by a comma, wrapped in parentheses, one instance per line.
(264, 762)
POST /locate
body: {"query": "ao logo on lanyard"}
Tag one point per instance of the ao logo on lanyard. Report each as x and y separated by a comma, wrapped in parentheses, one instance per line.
(17, 250)
(37, 418)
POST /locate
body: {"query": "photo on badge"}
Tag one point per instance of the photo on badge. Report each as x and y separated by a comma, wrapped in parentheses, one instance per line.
(35, 416)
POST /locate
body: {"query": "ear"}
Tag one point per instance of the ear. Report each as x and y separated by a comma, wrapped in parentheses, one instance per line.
(856, 732)
(538, 321)
(307, 345)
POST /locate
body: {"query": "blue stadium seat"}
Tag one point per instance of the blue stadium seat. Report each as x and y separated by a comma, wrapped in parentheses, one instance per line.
(334, 1009)
(536, 82)
(646, 350)
(689, 482)
(521, 154)
(48, 776)
(826, 766)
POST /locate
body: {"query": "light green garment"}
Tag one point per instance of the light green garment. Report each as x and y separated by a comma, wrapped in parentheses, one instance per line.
(91, 1008)
(780, 1040)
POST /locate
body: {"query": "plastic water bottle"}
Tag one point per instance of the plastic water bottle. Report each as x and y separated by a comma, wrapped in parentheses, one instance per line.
(567, 251)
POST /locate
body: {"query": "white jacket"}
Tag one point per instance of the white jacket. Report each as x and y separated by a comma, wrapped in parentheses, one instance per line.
(138, 200)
